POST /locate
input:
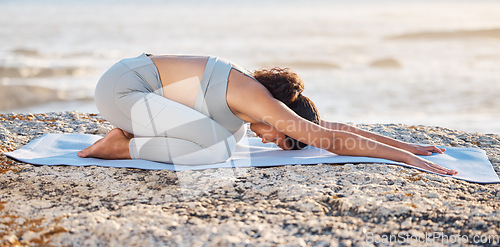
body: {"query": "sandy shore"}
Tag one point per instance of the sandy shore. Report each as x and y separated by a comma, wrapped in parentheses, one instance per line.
(318, 205)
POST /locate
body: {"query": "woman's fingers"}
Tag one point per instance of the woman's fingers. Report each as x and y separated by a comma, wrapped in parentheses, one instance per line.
(439, 169)
(435, 149)
(443, 170)
(428, 150)
(434, 168)
(424, 152)
(430, 166)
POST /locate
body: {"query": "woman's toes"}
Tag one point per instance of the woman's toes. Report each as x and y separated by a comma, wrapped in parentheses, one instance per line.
(81, 153)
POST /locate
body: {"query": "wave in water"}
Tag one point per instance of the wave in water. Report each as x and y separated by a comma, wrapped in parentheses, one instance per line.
(304, 64)
(389, 63)
(29, 52)
(18, 96)
(39, 72)
(459, 34)
(26, 52)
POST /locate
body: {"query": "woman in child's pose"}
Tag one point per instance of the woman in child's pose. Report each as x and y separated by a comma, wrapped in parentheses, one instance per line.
(192, 110)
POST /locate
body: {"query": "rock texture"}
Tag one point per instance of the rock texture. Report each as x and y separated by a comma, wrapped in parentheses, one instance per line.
(319, 205)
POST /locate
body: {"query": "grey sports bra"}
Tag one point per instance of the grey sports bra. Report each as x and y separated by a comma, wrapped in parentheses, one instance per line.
(211, 98)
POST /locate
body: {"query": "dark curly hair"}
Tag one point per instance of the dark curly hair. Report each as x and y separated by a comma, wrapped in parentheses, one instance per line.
(287, 87)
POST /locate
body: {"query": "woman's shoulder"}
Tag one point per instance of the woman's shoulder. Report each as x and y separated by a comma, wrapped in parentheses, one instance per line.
(244, 94)
(242, 82)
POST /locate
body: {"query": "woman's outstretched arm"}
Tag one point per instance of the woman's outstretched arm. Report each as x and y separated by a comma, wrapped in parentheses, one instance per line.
(347, 143)
(352, 144)
(413, 148)
(257, 105)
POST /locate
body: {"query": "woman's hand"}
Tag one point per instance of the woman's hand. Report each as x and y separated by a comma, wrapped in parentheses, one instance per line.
(429, 166)
(423, 150)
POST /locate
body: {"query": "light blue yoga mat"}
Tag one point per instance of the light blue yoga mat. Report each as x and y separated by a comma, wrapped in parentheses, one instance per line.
(472, 164)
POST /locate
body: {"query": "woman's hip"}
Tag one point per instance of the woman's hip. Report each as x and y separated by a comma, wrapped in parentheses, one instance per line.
(122, 85)
(130, 75)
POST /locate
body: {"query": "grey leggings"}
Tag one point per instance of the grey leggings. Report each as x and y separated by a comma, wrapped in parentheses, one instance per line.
(130, 96)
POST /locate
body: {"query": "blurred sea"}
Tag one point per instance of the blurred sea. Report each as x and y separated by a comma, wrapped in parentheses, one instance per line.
(413, 62)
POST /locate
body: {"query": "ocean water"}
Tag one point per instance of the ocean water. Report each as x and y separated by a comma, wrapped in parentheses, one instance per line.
(412, 62)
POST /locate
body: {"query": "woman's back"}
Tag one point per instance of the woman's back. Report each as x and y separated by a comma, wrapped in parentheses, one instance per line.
(181, 77)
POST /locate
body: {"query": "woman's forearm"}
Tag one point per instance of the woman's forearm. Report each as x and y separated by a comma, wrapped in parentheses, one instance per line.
(367, 134)
(351, 144)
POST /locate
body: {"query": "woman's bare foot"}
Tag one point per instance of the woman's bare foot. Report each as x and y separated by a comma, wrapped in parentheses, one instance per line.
(113, 146)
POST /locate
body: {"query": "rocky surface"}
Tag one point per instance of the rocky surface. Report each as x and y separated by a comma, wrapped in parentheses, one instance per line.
(320, 205)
